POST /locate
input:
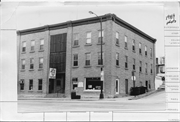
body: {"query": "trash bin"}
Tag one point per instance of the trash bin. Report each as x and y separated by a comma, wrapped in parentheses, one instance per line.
(73, 95)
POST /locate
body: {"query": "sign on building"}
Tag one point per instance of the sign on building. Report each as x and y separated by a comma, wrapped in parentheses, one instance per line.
(52, 73)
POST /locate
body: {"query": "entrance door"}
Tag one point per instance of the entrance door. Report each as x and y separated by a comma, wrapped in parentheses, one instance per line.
(117, 86)
(147, 85)
(51, 85)
(126, 85)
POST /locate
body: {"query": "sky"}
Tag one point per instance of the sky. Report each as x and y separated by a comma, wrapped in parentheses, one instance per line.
(144, 16)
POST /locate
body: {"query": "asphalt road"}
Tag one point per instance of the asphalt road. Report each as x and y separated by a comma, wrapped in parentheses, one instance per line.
(155, 102)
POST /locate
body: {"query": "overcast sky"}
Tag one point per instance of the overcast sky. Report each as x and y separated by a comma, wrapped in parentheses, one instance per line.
(146, 17)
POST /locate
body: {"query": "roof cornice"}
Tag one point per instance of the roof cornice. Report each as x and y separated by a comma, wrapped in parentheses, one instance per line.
(85, 21)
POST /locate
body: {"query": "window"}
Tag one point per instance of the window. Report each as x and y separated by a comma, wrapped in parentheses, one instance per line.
(117, 38)
(117, 59)
(93, 83)
(151, 69)
(30, 84)
(133, 45)
(134, 63)
(88, 58)
(23, 46)
(126, 43)
(76, 39)
(140, 67)
(42, 44)
(31, 63)
(23, 62)
(40, 81)
(75, 61)
(150, 52)
(139, 48)
(40, 63)
(22, 84)
(99, 37)
(99, 58)
(146, 68)
(75, 82)
(126, 62)
(32, 45)
(88, 38)
(145, 50)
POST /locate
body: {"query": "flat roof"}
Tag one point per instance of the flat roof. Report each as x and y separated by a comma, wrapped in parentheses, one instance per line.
(85, 21)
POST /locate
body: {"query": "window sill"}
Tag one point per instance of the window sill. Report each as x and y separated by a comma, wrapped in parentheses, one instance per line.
(117, 66)
(39, 91)
(32, 51)
(23, 52)
(41, 50)
(30, 91)
(22, 70)
(75, 67)
(134, 51)
(41, 69)
(100, 43)
(75, 46)
(100, 66)
(117, 45)
(140, 54)
(126, 68)
(31, 69)
(88, 45)
(87, 66)
(126, 48)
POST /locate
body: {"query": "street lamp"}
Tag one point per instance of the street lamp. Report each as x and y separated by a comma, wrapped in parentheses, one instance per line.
(101, 94)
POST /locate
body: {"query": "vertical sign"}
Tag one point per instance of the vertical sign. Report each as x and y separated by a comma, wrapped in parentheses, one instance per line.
(172, 58)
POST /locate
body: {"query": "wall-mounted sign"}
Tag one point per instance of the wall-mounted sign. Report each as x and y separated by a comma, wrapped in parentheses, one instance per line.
(52, 73)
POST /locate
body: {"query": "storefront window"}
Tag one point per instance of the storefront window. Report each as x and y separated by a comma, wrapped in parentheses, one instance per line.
(93, 83)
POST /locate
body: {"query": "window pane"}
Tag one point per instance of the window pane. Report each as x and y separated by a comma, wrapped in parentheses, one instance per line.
(100, 33)
(42, 42)
(24, 44)
(117, 35)
(32, 43)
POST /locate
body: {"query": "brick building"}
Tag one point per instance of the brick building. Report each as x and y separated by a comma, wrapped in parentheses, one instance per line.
(73, 48)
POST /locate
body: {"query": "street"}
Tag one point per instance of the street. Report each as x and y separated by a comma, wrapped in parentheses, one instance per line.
(154, 102)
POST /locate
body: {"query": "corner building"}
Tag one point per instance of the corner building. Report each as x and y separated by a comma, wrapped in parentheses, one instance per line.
(73, 48)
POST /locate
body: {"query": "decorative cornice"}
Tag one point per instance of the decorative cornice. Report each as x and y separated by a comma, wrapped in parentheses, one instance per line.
(85, 21)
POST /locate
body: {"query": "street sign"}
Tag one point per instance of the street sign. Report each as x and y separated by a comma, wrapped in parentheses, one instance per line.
(52, 73)
(133, 77)
(102, 75)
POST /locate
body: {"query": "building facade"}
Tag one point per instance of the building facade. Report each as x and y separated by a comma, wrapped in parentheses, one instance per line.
(73, 49)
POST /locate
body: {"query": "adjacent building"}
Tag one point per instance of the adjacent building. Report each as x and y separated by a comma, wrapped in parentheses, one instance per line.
(73, 49)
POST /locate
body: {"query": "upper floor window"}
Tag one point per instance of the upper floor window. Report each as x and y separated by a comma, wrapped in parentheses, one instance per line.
(133, 45)
(146, 66)
(31, 63)
(23, 46)
(42, 44)
(151, 69)
(117, 59)
(23, 62)
(76, 39)
(126, 43)
(140, 67)
(145, 50)
(75, 60)
(140, 52)
(88, 59)
(99, 37)
(32, 45)
(99, 58)
(126, 62)
(134, 64)
(117, 38)
(41, 60)
(150, 52)
(88, 38)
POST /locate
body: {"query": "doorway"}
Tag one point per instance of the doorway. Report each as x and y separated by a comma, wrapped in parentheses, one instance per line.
(51, 85)
(126, 86)
(117, 86)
